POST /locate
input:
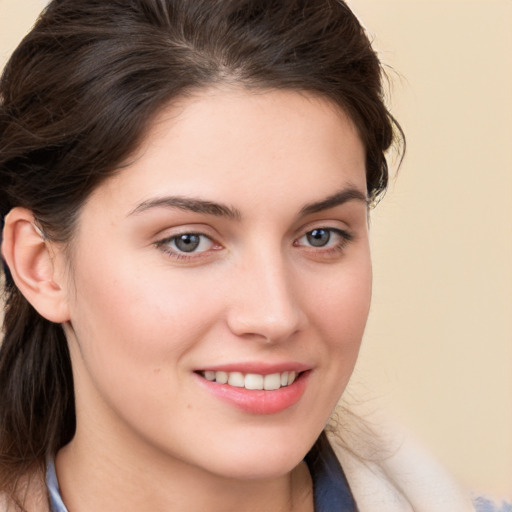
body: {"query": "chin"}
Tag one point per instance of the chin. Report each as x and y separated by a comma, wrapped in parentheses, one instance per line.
(260, 460)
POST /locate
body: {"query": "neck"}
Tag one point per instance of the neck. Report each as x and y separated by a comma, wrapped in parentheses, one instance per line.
(92, 478)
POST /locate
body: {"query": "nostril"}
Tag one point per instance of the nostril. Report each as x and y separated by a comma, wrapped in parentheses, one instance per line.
(265, 323)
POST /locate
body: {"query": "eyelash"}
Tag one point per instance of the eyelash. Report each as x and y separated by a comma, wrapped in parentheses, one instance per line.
(164, 245)
(344, 239)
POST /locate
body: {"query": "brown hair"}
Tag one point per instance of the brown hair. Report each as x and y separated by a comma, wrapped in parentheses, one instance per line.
(76, 98)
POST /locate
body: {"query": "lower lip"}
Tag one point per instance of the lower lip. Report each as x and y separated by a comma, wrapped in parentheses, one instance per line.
(259, 401)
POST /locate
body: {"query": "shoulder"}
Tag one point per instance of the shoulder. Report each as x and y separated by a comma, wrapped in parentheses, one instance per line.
(397, 475)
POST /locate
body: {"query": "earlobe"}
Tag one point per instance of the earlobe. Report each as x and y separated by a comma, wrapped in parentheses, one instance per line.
(31, 261)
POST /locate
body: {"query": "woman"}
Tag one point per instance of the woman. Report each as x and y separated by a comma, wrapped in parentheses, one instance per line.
(185, 194)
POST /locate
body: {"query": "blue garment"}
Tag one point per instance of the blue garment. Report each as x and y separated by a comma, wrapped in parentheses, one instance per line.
(330, 488)
(56, 503)
(484, 505)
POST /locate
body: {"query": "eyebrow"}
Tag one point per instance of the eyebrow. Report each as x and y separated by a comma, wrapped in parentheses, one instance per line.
(189, 204)
(336, 199)
(230, 212)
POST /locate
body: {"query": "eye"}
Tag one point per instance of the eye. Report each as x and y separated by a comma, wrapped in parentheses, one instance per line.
(186, 243)
(325, 238)
(318, 237)
(327, 244)
(189, 242)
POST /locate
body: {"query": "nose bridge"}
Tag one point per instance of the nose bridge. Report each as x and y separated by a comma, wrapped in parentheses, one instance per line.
(265, 304)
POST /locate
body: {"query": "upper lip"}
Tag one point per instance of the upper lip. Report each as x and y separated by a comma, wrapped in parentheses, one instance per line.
(259, 368)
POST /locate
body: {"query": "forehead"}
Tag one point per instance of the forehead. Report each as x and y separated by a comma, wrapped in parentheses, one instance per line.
(253, 116)
(245, 144)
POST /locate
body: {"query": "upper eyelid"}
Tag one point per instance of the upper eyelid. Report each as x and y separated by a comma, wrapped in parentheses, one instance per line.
(298, 233)
(344, 233)
(174, 236)
(169, 233)
(175, 231)
(332, 224)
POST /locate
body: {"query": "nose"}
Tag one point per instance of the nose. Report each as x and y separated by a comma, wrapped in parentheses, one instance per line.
(265, 304)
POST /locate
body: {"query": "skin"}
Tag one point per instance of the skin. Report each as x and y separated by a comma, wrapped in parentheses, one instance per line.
(141, 318)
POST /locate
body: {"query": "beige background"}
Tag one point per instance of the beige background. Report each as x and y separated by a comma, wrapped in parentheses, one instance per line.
(438, 349)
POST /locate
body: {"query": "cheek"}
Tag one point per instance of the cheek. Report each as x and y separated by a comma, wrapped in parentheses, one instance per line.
(340, 313)
(135, 331)
(139, 317)
(338, 309)
(343, 304)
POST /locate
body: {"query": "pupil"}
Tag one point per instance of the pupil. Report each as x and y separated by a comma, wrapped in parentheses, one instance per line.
(187, 243)
(318, 237)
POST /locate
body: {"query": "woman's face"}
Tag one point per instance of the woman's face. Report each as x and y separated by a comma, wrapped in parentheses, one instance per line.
(234, 246)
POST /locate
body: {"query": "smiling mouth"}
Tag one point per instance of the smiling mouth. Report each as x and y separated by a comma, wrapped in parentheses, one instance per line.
(252, 381)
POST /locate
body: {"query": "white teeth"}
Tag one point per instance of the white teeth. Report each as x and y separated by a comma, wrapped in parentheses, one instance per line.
(272, 381)
(221, 377)
(236, 379)
(252, 380)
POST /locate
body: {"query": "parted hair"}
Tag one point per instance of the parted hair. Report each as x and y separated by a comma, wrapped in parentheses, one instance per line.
(76, 99)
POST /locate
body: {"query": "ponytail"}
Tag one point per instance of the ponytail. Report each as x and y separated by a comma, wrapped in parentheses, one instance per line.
(37, 410)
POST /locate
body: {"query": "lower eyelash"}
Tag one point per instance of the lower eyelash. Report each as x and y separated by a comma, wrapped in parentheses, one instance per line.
(173, 254)
(345, 239)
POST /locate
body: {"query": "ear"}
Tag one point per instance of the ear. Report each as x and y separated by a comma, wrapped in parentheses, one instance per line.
(33, 265)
